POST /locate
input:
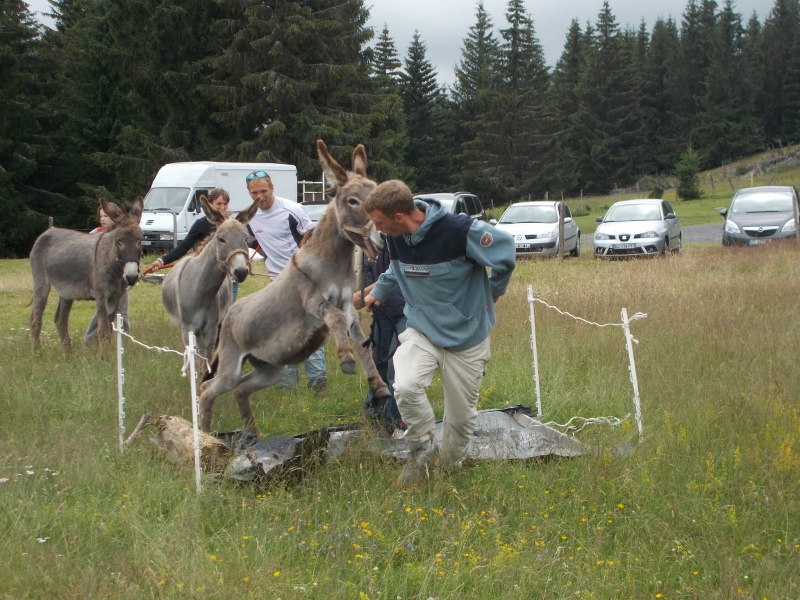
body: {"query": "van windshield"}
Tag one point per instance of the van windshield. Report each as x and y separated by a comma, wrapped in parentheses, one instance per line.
(163, 198)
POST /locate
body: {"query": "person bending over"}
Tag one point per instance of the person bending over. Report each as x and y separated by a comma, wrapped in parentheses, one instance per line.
(438, 262)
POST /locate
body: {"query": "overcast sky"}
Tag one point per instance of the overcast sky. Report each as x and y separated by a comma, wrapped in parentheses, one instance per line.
(443, 24)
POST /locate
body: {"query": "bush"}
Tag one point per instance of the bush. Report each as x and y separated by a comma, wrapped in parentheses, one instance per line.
(687, 170)
(656, 193)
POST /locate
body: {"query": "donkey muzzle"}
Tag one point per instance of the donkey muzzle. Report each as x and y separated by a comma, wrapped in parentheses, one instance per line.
(130, 271)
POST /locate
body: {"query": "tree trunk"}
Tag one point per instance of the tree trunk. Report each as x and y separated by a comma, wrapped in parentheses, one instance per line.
(176, 436)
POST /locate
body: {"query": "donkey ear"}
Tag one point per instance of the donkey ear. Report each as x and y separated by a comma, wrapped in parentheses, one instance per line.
(247, 214)
(212, 214)
(360, 161)
(112, 210)
(333, 170)
(137, 208)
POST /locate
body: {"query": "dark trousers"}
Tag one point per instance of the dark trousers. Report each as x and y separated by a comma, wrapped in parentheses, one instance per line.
(383, 335)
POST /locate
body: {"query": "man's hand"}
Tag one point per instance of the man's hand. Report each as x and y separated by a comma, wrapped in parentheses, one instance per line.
(369, 301)
(357, 296)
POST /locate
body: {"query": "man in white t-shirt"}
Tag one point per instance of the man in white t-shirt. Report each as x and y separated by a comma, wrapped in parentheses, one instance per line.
(278, 226)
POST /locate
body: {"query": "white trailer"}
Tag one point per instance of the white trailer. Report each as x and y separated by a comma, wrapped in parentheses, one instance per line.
(173, 203)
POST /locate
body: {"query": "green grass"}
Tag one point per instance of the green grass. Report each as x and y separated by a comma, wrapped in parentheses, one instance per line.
(707, 507)
(718, 187)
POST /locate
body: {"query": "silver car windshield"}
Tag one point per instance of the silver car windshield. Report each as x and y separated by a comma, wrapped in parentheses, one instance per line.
(529, 214)
(763, 202)
(171, 199)
(633, 212)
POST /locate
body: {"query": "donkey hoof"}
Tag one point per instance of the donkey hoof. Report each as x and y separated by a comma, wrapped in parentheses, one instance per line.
(349, 367)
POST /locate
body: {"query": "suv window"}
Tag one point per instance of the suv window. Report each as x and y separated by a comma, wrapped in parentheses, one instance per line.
(461, 208)
(472, 205)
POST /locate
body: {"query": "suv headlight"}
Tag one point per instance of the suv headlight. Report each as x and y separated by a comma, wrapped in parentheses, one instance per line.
(647, 234)
(790, 225)
(548, 234)
(731, 227)
(602, 236)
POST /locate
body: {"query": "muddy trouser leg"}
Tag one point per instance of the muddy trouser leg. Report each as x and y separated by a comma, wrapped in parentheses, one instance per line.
(415, 361)
(315, 367)
(91, 331)
(291, 378)
(462, 373)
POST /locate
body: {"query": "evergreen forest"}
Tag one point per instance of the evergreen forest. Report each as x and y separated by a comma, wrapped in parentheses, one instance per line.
(117, 88)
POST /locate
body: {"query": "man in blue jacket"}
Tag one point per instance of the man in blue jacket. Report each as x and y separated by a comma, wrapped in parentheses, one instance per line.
(438, 262)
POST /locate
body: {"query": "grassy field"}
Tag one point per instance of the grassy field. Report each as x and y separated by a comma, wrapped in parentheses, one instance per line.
(708, 506)
(717, 185)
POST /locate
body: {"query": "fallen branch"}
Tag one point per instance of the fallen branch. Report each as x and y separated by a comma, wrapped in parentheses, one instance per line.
(143, 422)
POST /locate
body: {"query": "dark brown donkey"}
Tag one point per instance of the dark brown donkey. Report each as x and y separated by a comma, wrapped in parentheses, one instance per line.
(86, 267)
(285, 322)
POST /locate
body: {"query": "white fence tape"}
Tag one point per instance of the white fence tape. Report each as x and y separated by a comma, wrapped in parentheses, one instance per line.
(188, 356)
(629, 341)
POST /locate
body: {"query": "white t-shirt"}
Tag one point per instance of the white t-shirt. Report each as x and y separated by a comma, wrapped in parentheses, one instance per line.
(278, 231)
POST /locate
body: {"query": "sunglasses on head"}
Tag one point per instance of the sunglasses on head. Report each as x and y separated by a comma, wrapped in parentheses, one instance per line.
(259, 174)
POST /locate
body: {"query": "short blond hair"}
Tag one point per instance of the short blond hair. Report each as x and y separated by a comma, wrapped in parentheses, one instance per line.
(391, 197)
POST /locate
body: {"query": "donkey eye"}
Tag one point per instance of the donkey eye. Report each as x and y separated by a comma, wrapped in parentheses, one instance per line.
(352, 201)
(222, 240)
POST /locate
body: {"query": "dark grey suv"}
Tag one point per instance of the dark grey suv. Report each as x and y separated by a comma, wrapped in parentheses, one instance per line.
(459, 203)
(759, 215)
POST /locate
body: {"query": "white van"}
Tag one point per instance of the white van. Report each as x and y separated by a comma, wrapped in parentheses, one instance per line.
(173, 203)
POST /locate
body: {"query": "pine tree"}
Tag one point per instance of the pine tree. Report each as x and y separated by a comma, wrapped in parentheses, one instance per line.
(610, 117)
(778, 36)
(511, 140)
(387, 67)
(21, 142)
(293, 72)
(420, 94)
(660, 82)
(727, 127)
(565, 142)
(687, 171)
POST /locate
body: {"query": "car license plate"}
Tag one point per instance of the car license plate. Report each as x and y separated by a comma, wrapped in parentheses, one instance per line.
(757, 242)
(146, 243)
(523, 246)
(623, 246)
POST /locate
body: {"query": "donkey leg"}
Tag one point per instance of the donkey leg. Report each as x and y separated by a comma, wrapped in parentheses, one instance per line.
(62, 321)
(41, 290)
(337, 325)
(228, 376)
(376, 384)
(263, 375)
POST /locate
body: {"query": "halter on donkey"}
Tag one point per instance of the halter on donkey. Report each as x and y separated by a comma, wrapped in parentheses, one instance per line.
(86, 267)
(197, 291)
(284, 323)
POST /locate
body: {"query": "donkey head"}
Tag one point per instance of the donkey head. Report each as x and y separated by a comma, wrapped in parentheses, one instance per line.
(127, 235)
(230, 240)
(350, 190)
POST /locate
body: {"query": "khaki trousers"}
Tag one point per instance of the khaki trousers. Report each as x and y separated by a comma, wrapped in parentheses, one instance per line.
(415, 362)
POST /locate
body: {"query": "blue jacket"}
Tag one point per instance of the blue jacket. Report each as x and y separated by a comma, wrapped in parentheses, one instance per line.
(441, 270)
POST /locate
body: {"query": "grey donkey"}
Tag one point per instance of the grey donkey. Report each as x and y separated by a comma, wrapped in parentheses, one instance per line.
(293, 316)
(80, 266)
(197, 291)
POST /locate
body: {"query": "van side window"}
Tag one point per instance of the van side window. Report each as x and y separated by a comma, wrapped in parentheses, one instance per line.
(194, 205)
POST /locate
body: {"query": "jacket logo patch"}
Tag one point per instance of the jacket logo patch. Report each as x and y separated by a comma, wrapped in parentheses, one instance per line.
(486, 240)
(416, 270)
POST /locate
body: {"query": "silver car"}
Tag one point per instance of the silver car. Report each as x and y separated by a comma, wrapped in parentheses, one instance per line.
(759, 215)
(637, 228)
(534, 226)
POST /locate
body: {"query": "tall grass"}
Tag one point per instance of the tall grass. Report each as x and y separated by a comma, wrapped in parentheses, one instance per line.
(707, 507)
